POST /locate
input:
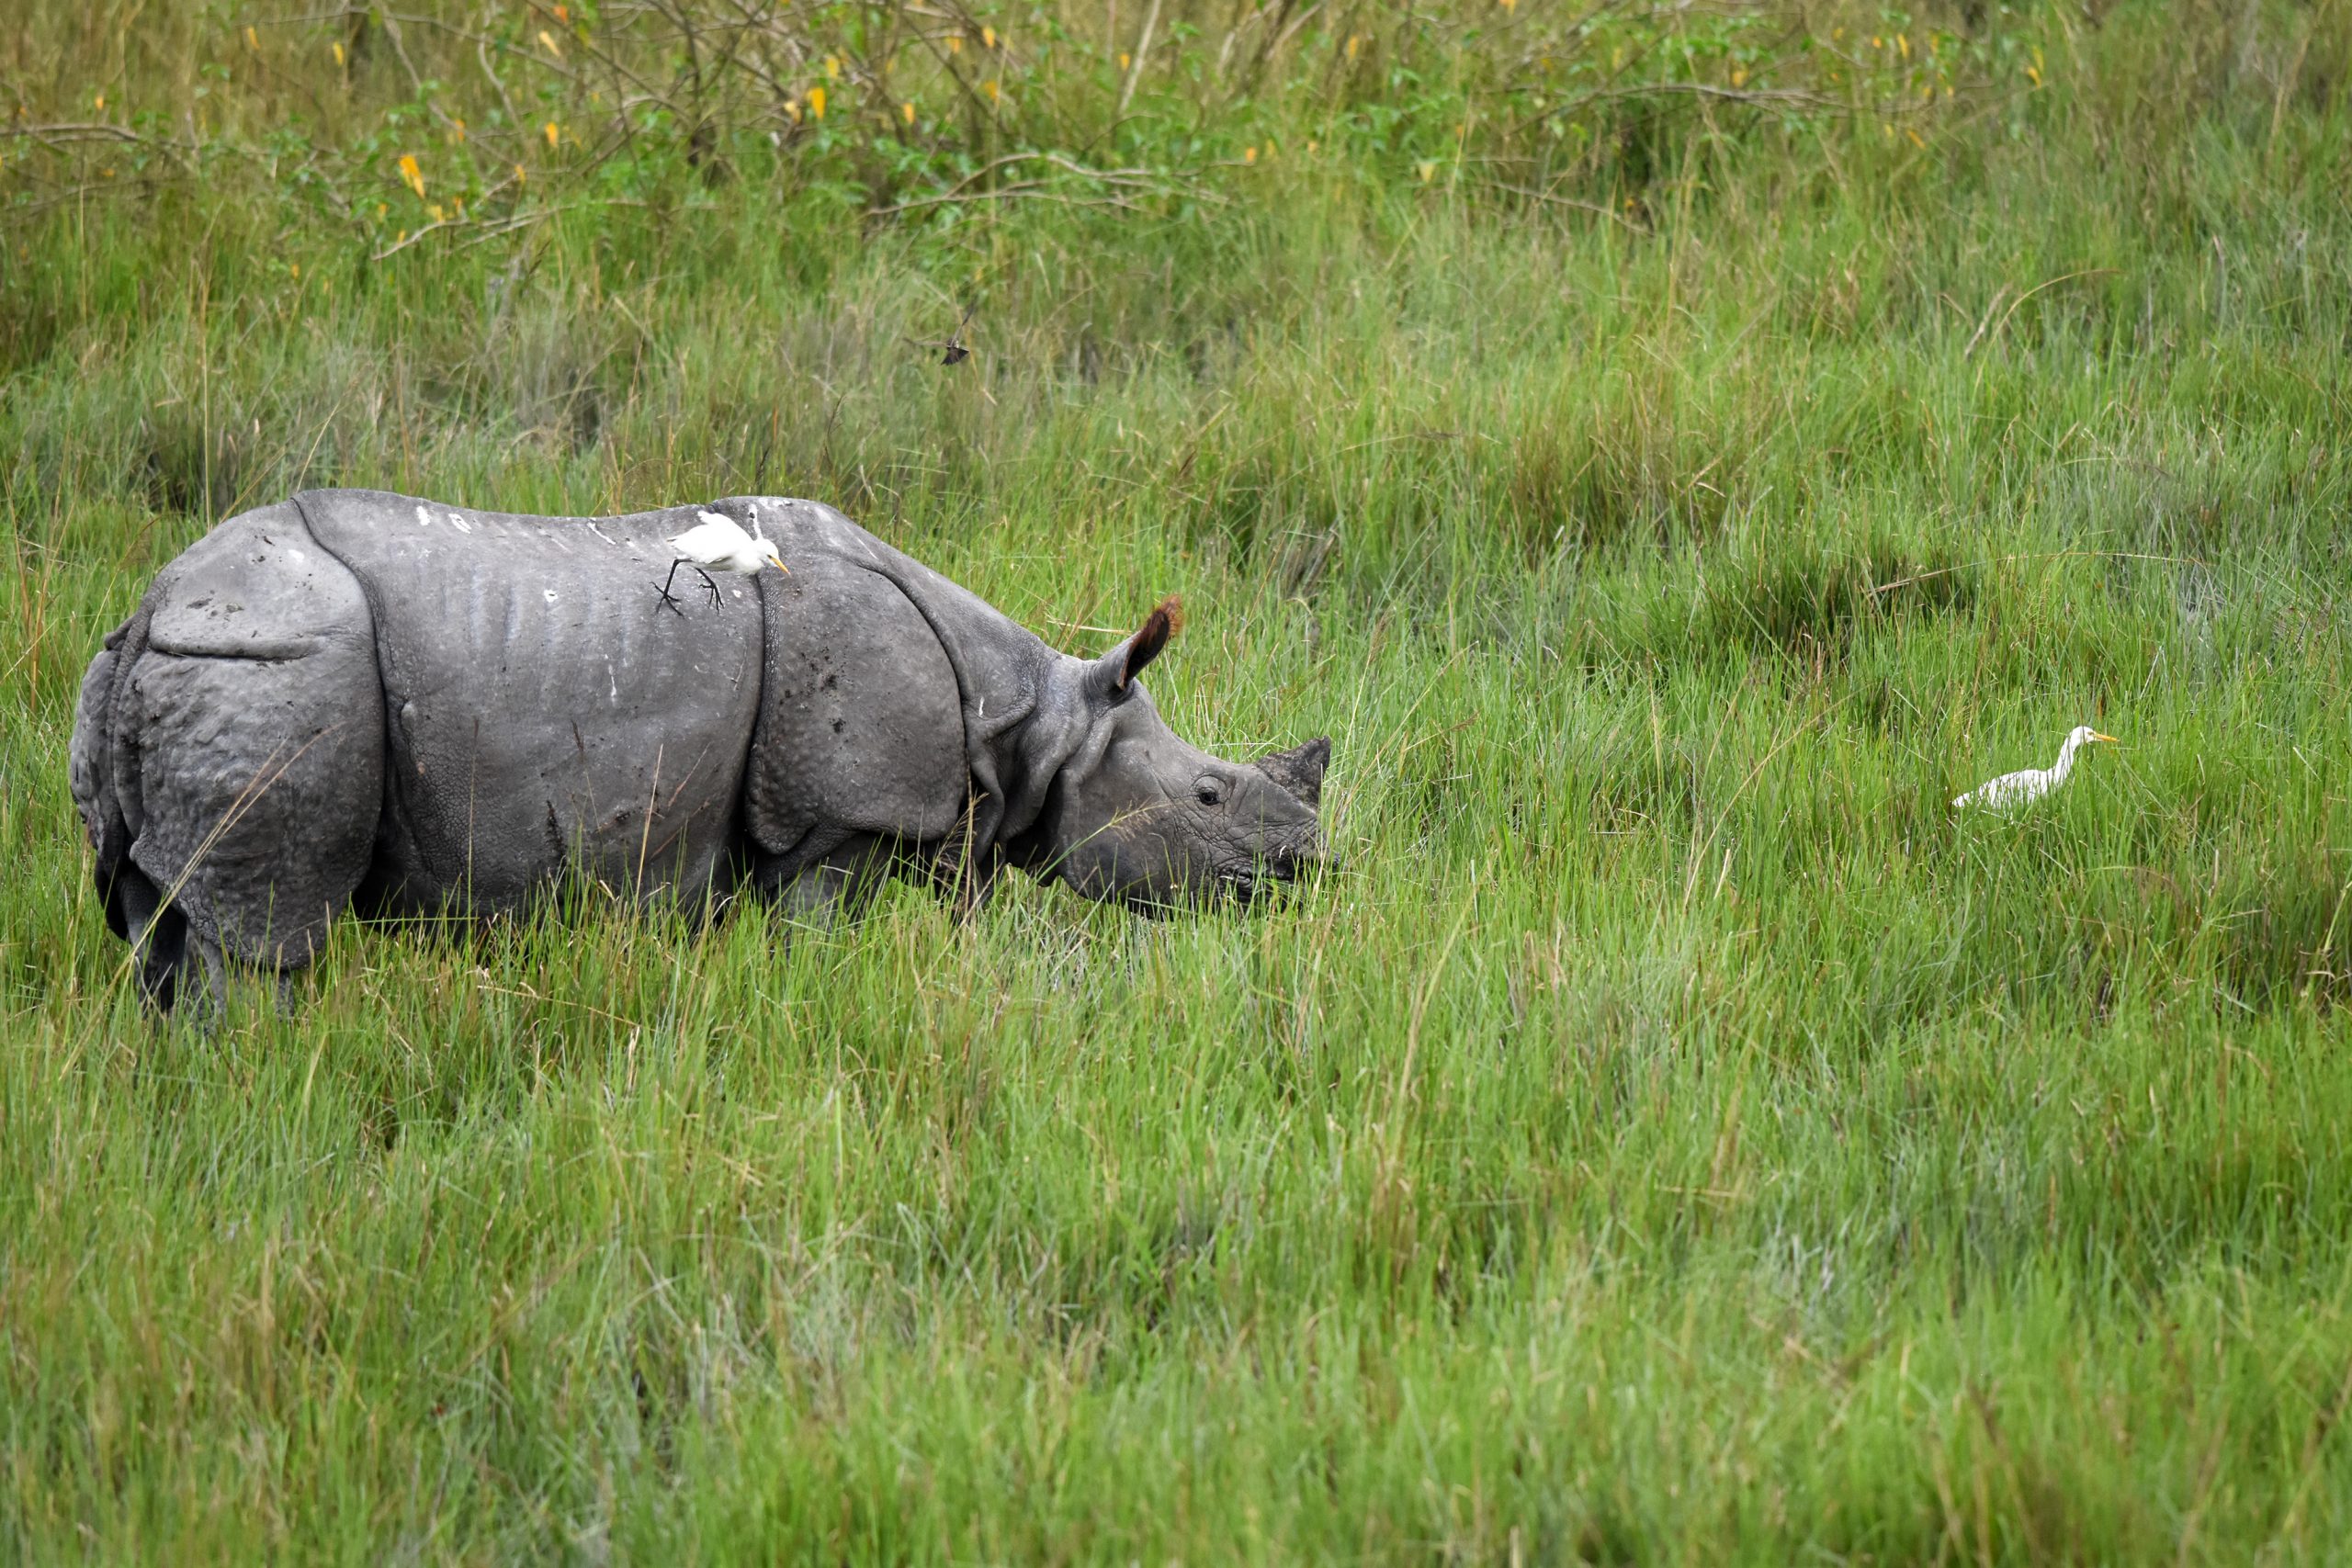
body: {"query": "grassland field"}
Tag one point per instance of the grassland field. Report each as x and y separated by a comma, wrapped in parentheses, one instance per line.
(1671, 450)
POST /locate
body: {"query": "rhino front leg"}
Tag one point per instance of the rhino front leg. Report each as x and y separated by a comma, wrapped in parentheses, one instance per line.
(835, 884)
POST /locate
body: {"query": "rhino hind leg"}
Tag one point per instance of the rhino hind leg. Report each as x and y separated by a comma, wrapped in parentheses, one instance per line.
(157, 931)
(250, 732)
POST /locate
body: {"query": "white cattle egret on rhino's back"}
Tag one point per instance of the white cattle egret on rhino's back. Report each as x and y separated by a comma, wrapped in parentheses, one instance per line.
(719, 543)
(2030, 785)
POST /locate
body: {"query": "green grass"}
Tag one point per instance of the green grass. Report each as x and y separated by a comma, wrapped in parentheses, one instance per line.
(1664, 1132)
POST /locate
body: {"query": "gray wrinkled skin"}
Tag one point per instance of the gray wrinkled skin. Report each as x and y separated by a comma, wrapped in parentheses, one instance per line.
(361, 700)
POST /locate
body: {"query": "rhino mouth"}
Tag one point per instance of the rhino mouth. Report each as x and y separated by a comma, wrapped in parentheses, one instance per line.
(1249, 881)
(1243, 886)
(1235, 885)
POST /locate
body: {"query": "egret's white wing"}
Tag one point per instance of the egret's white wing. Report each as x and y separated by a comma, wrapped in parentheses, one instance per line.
(2009, 789)
(709, 541)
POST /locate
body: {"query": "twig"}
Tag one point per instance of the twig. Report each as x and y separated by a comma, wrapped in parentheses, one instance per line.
(391, 24)
(397, 246)
(1143, 49)
(1592, 207)
(74, 130)
(1007, 193)
(60, 135)
(1141, 181)
(1128, 177)
(482, 53)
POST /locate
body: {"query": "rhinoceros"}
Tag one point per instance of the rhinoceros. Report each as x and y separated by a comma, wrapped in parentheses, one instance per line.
(360, 701)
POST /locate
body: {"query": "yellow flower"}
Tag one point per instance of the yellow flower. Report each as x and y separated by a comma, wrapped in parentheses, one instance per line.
(252, 40)
(1428, 170)
(832, 68)
(907, 113)
(551, 134)
(1904, 43)
(548, 39)
(1354, 43)
(296, 268)
(1249, 154)
(101, 100)
(988, 38)
(955, 44)
(1740, 76)
(457, 131)
(815, 102)
(411, 175)
(991, 88)
(337, 46)
(435, 208)
(1125, 60)
(1916, 140)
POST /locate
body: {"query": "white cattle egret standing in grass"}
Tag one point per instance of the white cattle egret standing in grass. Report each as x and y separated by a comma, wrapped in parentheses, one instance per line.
(2030, 785)
(718, 543)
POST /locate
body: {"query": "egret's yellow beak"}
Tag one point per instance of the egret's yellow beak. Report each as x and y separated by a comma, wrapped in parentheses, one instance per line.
(2108, 739)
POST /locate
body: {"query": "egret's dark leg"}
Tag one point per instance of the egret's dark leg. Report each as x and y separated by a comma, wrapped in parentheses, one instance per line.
(710, 582)
(669, 599)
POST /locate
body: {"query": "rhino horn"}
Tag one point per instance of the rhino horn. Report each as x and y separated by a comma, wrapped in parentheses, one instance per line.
(1300, 770)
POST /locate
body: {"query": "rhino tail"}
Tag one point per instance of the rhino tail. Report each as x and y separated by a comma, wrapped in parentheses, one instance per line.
(102, 762)
(92, 762)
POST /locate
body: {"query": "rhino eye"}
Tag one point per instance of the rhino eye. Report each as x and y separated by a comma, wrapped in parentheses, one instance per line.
(1208, 791)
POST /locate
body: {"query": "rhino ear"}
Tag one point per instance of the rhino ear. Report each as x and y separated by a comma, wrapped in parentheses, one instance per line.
(1126, 661)
(1300, 770)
